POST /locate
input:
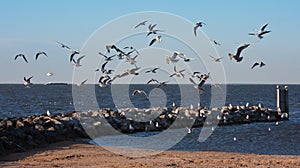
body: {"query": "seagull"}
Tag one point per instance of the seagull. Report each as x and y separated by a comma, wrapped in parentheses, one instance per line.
(177, 73)
(173, 58)
(199, 24)
(181, 55)
(216, 43)
(49, 74)
(21, 55)
(139, 92)
(132, 61)
(218, 59)
(238, 53)
(81, 83)
(73, 54)
(153, 70)
(260, 32)
(27, 81)
(40, 53)
(151, 30)
(143, 23)
(77, 62)
(63, 45)
(156, 38)
(261, 64)
(128, 72)
(152, 80)
(106, 58)
(197, 86)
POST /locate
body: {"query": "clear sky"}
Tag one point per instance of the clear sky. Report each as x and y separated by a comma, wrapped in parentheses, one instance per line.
(34, 25)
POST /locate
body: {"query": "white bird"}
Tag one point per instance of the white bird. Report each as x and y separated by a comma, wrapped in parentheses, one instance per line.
(40, 53)
(27, 81)
(156, 38)
(188, 130)
(21, 55)
(49, 74)
(197, 86)
(234, 139)
(63, 45)
(128, 72)
(173, 58)
(260, 32)
(48, 113)
(77, 62)
(198, 24)
(153, 70)
(237, 56)
(82, 83)
(261, 64)
(106, 58)
(136, 91)
(216, 59)
(151, 30)
(73, 54)
(143, 23)
(178, 73)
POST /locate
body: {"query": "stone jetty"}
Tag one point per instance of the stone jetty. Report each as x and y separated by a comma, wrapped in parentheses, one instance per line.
(23, 133)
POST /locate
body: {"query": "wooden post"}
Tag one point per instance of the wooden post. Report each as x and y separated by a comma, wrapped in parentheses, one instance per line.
(278, 100)
(286, 100)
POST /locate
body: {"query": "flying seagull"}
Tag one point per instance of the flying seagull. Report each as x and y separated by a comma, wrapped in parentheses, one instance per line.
(128, 72)
(260, 32)
(73, 54)
(106, 58)
(159, 83)
(63, 45)
(237, 56)
(216, 43)
(139, 92)
(49, 74)
(198, 24)
(21, 55)
(177, 73)
(151, 30)
(77, 62)
(153, 70)
(197, 86)
(40, 53)
(156, 38)
(82, 83)
(27, 81)
(218, 59)
(261, 64)
(152, 80)
(143, 23)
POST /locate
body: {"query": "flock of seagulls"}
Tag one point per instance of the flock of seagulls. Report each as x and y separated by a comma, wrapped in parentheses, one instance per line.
(129, 54)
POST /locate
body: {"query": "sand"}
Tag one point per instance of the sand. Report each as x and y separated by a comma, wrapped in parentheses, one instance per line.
(79, 153)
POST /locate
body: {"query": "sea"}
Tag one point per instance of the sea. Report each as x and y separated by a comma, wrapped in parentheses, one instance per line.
(281, 137)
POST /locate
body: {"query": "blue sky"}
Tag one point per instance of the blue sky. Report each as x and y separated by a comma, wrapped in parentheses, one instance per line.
(31, 26)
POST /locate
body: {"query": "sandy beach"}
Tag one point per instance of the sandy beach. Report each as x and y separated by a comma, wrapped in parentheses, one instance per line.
(79, 153)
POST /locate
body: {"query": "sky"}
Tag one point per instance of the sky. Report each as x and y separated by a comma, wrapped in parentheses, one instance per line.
(31, 26)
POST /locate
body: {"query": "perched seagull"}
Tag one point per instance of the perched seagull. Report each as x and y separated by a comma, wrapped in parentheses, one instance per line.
(156, 38)
(81, 83)
(77, 62)
(49, 74)
(199, 24)
(106, 58)
(21, 55)
(143, 23)
(218, 59)
(197, 86)
(73, 54)
(40, 53)
(139, 92)
(260, 32)
(27, 81)
(238, 53)
(261, 64)
(153, 70)
(177, 73)
(63, 45)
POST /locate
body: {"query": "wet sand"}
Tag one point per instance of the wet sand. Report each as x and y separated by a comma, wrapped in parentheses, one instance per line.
(81, 154)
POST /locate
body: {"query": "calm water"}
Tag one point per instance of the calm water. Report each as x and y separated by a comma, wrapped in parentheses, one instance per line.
(16, 100)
